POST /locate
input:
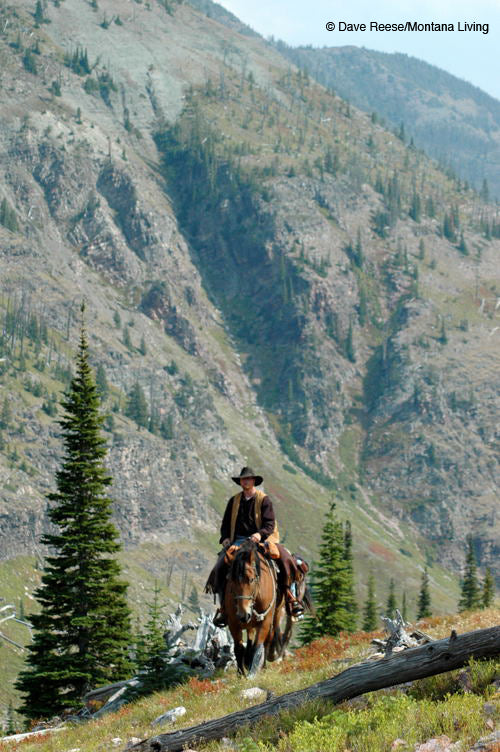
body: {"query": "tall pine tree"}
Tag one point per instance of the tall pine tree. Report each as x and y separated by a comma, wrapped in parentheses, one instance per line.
(488, 593)
(332, 584)
(424, 597)
(470, 597)
(82, 633)
(404, 607)
(391, 600)
(370, 607)
(350, 596)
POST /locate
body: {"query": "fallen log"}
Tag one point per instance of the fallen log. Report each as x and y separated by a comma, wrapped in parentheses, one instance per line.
(415, 663)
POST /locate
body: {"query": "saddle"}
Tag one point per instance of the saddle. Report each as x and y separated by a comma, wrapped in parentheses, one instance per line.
(269, 549)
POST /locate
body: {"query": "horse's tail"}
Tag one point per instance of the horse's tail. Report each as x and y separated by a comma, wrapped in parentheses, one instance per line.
(307, 600)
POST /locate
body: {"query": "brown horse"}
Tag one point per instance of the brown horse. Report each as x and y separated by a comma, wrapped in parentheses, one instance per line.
(253, 603)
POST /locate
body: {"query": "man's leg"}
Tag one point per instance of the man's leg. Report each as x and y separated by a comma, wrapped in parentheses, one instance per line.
(287, 578)
(220, 571)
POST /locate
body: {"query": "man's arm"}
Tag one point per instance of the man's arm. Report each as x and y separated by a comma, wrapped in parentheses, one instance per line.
(225, 528)
(268, 519)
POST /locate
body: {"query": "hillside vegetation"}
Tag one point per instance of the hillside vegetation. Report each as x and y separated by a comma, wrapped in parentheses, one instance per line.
(463, 705)
(454, 121)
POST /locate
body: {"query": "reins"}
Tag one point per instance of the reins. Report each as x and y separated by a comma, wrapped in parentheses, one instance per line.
(260, 615)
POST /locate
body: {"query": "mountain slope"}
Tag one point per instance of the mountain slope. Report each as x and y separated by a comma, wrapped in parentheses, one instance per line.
(312, 217)
(454, 121)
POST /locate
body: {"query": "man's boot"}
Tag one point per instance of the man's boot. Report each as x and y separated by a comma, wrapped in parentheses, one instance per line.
(220, 618)
(293, 606)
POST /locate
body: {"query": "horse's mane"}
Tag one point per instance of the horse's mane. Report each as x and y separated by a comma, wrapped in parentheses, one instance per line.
(243, 555)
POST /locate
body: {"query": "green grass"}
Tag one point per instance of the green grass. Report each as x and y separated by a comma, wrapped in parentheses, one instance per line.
(385, 719)
(430, 707)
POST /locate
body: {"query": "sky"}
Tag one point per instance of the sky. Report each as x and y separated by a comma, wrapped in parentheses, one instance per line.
(469, 54)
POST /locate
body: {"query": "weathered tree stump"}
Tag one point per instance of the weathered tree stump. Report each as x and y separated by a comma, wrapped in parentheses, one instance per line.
(415, 663)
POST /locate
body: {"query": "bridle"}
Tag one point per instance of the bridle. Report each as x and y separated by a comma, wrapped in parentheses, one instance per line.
(259, 615)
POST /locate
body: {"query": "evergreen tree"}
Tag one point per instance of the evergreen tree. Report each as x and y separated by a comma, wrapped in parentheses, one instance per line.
(29, 62)
(155, 671)
(8, 217)
(194, 600)
(167, 427)
(443, 337)
(350, 596)
(391, 599)
(10, 727)
(488, 594)
(370, 607)
(349, 345)
(359, 257)
(470, 597)
(82, 633)
(126, 338)
(363, 306)
(137, 407)
(416, 207)
(462, 246)
(449, 229)
(6, 414)
(55, 88)
(424, 597)
(404, 607)
(101, 382)
(331, 585)
(38, 14)
(485, 191)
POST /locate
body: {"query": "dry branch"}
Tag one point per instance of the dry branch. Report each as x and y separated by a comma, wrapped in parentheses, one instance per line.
(415, 663)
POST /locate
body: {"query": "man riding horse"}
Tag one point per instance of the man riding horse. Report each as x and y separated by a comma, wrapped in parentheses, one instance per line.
(250, 514)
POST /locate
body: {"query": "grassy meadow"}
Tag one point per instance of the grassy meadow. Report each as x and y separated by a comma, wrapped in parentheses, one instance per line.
(462, 705)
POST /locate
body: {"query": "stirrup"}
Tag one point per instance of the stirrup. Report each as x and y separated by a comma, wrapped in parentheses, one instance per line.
(297, 609)
(220, 619)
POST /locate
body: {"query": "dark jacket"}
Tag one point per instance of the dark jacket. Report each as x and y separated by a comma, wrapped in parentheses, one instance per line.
(245, 522)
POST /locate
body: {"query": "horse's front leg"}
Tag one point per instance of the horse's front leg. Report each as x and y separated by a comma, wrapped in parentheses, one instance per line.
(239, 650)
(259, 654)
(250, 647)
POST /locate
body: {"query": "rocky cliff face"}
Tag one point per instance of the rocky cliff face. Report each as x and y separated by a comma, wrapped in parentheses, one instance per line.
(289, 284)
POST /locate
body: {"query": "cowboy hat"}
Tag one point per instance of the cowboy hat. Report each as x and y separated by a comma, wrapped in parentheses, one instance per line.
(247, 472)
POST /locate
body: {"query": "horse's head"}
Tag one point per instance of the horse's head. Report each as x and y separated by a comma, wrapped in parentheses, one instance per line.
(244, 576)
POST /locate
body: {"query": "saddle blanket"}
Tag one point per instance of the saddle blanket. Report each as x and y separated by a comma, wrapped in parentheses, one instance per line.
(268, 549)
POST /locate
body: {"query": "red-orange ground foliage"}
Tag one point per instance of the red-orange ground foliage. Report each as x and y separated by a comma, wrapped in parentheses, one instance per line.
(326, 649)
